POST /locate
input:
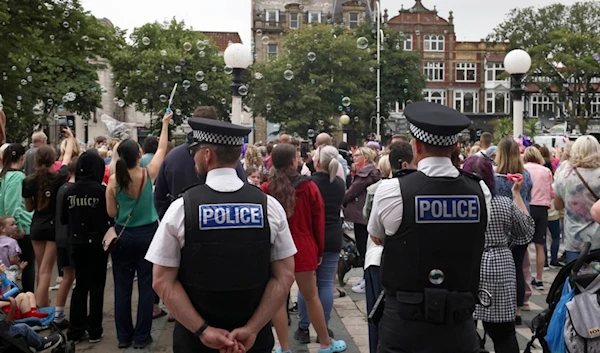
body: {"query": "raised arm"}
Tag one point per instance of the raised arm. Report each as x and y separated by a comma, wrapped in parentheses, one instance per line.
(161, 152)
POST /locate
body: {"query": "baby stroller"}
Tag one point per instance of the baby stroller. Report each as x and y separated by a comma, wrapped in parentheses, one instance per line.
(582, 281)
(349, 258)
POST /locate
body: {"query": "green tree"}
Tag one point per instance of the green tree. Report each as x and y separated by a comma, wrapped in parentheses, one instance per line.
(502, 128)
(561, 41)
(163, 54)
(48, 63)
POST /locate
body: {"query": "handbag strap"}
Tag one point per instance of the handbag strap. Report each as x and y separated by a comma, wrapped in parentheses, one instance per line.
(136, 202)
(587, 186)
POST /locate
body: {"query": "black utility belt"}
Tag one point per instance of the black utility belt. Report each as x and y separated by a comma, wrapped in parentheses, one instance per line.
(436, 306)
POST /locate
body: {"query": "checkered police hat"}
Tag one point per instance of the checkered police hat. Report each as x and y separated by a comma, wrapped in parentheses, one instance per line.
(435, 124)
(216, 132)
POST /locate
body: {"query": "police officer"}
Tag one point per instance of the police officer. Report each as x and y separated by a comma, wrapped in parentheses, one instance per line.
(223, 253)
(432, 224)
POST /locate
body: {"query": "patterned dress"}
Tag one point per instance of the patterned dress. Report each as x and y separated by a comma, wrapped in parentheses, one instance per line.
(508, 225)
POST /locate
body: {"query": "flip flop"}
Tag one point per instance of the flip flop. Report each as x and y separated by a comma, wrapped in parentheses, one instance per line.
(341, 294)
(161, 314)
(335, 347)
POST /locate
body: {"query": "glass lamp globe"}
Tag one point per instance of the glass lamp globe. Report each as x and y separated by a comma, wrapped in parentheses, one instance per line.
(238, 56)
(517, 62)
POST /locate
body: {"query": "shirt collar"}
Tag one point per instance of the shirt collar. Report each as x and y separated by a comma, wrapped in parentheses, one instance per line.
(224, 180)
(437, 166)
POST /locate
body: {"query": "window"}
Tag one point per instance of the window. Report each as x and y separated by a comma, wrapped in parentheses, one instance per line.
(434, 96)
(595, 105)
(540, 104)
(314, 17)
(493, 70)
(497, 102)
(434, 43)
(354, 19)
(434, 71)
(294, 23)
(272, 52)
(272, 15)
(466, 102)
(408, 42)
(466, 72)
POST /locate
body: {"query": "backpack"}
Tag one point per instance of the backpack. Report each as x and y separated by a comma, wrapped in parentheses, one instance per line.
(582, 326)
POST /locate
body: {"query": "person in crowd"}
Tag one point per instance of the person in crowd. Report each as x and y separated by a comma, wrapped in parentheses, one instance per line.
(229, 309)
(129, 202)
(416, 236)
(63, 250)
(36, 342)
(474, 150)
(38, 139)
(39, 191)
(149, 148)
(13, 204)
(85, 213)
(485, 142)
(63, 147)
(99, 142)
(254, 176)
(253, 159)
(510, 223)
(545, 152)
(267, 159)
(332, 189)
(565, 156)
(354, 201)
(304, 207)
(508, 161)
(399, 138)
(577, 188)
(324, 139)
(554, 220)
(112, 147)
(541, 198)
(9, 248)
(25, 305)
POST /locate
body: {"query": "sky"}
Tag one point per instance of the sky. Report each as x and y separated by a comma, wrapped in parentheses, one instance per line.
(473, 19)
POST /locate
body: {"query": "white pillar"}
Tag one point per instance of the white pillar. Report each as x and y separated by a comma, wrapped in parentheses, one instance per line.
(517, 118)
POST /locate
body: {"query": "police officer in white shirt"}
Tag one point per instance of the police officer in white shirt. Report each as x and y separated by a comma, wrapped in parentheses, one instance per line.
(223, 253)
(432, 224)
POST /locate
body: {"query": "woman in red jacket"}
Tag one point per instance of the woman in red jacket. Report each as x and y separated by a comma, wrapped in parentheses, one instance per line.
(304, 206)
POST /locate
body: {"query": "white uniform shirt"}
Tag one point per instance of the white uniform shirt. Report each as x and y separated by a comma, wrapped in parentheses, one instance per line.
(169, 239)
(386, 215)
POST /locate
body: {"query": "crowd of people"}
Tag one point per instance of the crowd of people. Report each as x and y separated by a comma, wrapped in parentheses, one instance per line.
(57, 205)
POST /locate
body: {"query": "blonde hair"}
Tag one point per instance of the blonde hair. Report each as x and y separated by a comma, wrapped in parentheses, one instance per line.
(326, 157)
(384, 166)
(39, 136)
(474, 150)
(369, 154)
(253, 158)
(585, 153)
(113, 161)
(63, 149)
(103, 152)
(533, 155)
(508, 157)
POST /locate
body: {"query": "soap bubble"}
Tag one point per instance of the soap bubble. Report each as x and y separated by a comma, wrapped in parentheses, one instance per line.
(187, 46)
(66, 13)
(85, 38)
(14, 68)
(313, 81)
(204, 87)
(177, 68)
(243, 90)
(265, 40)
(200, 76)
(258, 76)
(288, 74)
(178, 111)
(258, 32)
(182, 62)
(27, 70)
(372, 69)
(23, 82)
(346, 101)
(310, 133)
(186, 84)
(146, 41)
(202, 53)
(311, 56)
(50, 101)
(436, 276)
(138, 72)
(125, 92)
(163, 98)
(201, 45)
(321, 122)
(66, 24)
(121, 103)
(144, 101)
(61, 108)
(362, 43)
(117, 84)
(289, 66)
(340, 108)
(228, 69)
(223, 101)
(52, 37)
(214, 69)
(356, 118)
(268, 106)
(163, 52)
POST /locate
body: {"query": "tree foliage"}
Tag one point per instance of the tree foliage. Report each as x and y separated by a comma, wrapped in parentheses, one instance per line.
(163, 54)
(49, 51)
(339, 68)
(561, 41)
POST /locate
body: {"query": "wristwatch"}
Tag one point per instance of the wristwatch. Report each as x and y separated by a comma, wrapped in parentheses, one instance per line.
(201, 329)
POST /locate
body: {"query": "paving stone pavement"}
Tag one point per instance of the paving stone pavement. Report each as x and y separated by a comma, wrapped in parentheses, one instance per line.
(348, 320)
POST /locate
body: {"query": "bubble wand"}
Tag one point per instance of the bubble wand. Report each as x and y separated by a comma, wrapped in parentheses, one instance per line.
(171, 99)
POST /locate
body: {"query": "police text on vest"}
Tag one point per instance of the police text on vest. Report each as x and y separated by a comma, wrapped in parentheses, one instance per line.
(230, 216)
(447, 209)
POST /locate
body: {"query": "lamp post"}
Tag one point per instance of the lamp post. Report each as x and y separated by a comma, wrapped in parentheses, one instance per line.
(517, 62)
(238, 57)
(379, 40)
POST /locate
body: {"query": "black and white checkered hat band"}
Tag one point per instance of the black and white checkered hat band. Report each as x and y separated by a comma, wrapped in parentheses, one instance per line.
(431, 139)
(218, 139)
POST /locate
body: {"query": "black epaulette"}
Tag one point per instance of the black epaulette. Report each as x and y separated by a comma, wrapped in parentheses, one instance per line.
(403, 172)
(473, 176)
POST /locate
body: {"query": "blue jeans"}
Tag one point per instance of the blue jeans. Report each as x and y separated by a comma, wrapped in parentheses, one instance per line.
(23, 330)
(554, 228)
(127, 259)
(573, 255)
(325, 273)
(372, 290)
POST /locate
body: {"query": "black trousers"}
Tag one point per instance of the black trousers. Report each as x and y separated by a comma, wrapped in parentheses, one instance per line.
(503, 335)
(89, 261)
(27, 254)
(184, 341)
(398, 335)
(361, 234)
(518, 253)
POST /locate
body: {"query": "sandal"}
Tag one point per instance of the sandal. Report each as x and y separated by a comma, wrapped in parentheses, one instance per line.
(336, 346)
(341, 294)
(278, 350)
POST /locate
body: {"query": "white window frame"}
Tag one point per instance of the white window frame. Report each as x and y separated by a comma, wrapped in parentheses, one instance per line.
(268, 17)
(433, 42)
(271, 54)
(494, 69)
(594, 104)
(459, 97)
(310, 15)
(539, 103)
(490, 97)
(297, 20)
(434, 70)
(356, 22)
(462, 72)
(408, 43)
(435, 96)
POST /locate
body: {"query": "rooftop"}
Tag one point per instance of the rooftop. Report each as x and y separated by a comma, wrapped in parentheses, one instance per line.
(222, 39)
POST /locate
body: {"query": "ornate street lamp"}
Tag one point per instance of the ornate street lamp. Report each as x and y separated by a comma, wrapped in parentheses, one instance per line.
(238, 57)
(517, 62)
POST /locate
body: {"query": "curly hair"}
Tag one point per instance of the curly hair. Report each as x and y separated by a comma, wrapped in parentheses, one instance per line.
(43, 176)
(253, 158)
(283, 176)
(585, 152)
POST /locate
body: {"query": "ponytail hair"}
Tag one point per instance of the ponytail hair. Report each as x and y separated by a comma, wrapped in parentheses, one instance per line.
(128, 152)
(282, 176)
(12, 153)
(43, 176)
(327, 157)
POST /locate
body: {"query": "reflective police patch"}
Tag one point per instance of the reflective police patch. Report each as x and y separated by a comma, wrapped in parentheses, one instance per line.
(230, 216)
(447, 209)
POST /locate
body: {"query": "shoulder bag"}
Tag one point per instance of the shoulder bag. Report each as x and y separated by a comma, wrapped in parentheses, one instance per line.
(111, 238)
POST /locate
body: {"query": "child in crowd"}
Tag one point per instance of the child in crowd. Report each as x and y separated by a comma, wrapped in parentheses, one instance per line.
(9, 248)
(26, 306)
(254, 176)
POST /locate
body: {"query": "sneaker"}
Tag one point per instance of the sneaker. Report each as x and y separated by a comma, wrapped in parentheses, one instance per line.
(518, 321)
(302, 336)
(539, 285)
(62, 325)
(359, 288)
(96, 339)
(50, 342)
(359, 282)
(556, 265)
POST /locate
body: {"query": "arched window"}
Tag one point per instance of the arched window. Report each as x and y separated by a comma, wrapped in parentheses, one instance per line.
(469, 103)
(499, 103)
